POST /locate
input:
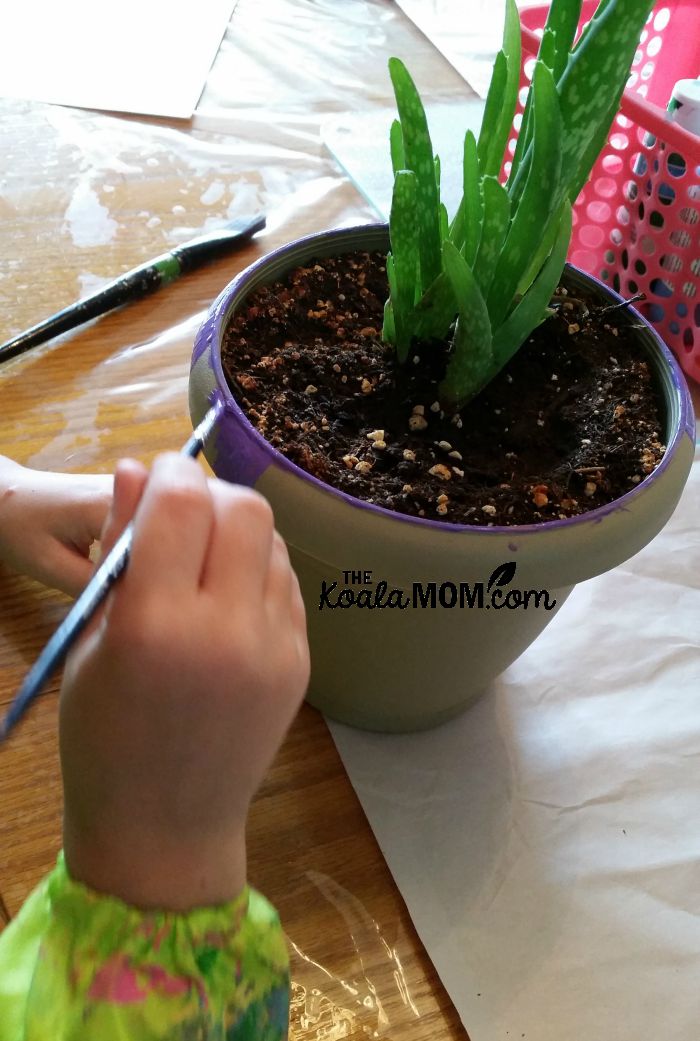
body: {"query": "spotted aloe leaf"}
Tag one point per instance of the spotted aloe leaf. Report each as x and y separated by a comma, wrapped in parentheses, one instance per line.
(418, 155)
(598, 13)
(562, 22)
(398, 155)
(502, 97)
(541, 195)
(404, 259)
(532, 309)
(548, 237)
(472, 198)
(597, 69)
(595, 145)
(494, 229)
(523, 147)
(599, 136)
(435, 311)
(471, 362)
(494, 103)
(465, 230)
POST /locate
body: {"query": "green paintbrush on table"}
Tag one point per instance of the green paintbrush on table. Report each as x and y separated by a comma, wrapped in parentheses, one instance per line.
(140, 281)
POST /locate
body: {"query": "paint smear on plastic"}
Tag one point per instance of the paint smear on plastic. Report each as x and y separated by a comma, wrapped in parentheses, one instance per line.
(214, 193)
(86, 220)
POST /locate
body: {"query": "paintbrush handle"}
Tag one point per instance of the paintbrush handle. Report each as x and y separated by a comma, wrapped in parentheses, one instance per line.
(134, 284)
(131, 286)
(90, 599)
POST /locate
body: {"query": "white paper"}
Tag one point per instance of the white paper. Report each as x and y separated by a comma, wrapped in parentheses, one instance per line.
(356, 143)
(468, 34)
(146, 56)
(547, 843)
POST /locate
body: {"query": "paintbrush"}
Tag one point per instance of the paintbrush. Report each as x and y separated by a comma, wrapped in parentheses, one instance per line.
(139, 282)
(90, 599)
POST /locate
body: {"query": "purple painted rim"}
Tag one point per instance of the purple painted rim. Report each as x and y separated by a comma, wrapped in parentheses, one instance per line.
(213, 329)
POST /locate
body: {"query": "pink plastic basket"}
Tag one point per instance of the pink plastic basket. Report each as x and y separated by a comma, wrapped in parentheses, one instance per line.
(637, 220)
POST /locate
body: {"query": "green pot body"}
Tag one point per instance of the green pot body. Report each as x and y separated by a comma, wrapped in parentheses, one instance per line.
(392, 669)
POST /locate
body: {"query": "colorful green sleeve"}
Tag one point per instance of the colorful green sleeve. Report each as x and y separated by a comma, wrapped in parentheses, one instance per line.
(79, 966)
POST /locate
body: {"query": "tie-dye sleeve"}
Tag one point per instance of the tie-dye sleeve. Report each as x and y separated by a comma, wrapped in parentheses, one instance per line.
(79, 966)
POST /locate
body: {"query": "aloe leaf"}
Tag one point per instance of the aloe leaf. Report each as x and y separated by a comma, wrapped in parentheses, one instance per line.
(532, 309)
(493, 231)
(597, 67)
(524, 139)
(501, 100)
(419, 158)
(563, 21)
(472, 199)
(435, 311)
(522, 155)
(465, 230)
(398, 155)
(547, 53)
(595, 147)
(471, 363)
(444, 222)
(542, 250)
(405, 257)
(541, 195)
(389, 326)
(494, 104)
(599, 11)
(523, 151)
(455, 231)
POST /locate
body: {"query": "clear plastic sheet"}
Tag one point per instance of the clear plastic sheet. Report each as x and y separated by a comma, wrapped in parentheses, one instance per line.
(326, 1005)
(85, 196)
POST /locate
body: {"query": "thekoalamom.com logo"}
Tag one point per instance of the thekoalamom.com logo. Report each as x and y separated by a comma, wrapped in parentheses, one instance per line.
(361, 591)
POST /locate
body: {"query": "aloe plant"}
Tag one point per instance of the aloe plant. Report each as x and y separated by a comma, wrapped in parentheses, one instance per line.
(484, 278)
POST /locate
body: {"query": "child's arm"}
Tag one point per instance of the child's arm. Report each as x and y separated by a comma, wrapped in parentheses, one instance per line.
(172, 709)
(48, 521)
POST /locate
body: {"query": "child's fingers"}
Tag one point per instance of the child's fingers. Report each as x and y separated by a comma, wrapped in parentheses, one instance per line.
(278, 582)
(172, 528)
(97, 511)
(239, 553)
(298, 608)
(129, 481)
(282, 593)
(67, 570)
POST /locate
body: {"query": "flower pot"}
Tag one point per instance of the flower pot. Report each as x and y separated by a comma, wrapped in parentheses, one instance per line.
(477, 597)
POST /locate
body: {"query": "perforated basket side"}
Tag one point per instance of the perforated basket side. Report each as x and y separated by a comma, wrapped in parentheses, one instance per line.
(637, 220)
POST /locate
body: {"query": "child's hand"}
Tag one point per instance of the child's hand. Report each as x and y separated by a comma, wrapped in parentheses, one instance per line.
(48, 521)
(175, 703)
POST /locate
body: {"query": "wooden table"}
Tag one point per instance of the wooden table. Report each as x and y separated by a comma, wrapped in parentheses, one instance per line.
(83, 197)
